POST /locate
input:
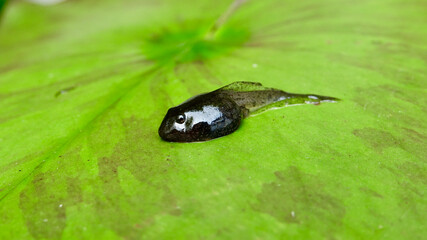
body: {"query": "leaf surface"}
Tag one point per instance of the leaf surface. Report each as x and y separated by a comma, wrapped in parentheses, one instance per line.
(84, 87)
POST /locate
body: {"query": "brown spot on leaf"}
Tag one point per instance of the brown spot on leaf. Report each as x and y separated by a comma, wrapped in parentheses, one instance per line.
(370, 192)
(400, 107)
(43, 201)
(39, 203)
(415, 142)
(411, 178)
(136, 153)
(415, 172)
(377, 139)
(297, 197)
(325, 148)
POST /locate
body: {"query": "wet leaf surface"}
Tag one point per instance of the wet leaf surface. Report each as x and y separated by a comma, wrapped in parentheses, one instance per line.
(84, 87)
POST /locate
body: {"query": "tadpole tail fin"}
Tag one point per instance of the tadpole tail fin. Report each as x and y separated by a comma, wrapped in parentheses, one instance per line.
(257, 99)
(291, 99)
(294, 98)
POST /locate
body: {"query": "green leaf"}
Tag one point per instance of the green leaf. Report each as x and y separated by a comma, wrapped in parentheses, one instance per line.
(2, 6)
(84, 87)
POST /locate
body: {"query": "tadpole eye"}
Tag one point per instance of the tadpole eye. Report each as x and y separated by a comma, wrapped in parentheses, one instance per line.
(180, 119)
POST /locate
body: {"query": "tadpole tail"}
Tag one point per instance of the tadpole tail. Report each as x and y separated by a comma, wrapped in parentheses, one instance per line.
(285, 99)
(294, 98)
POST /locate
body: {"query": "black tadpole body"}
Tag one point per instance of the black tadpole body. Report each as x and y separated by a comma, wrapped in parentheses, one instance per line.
(219, 113)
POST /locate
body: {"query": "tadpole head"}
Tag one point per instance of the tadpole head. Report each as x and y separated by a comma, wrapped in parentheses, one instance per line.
(179, 126)
(175, 127)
